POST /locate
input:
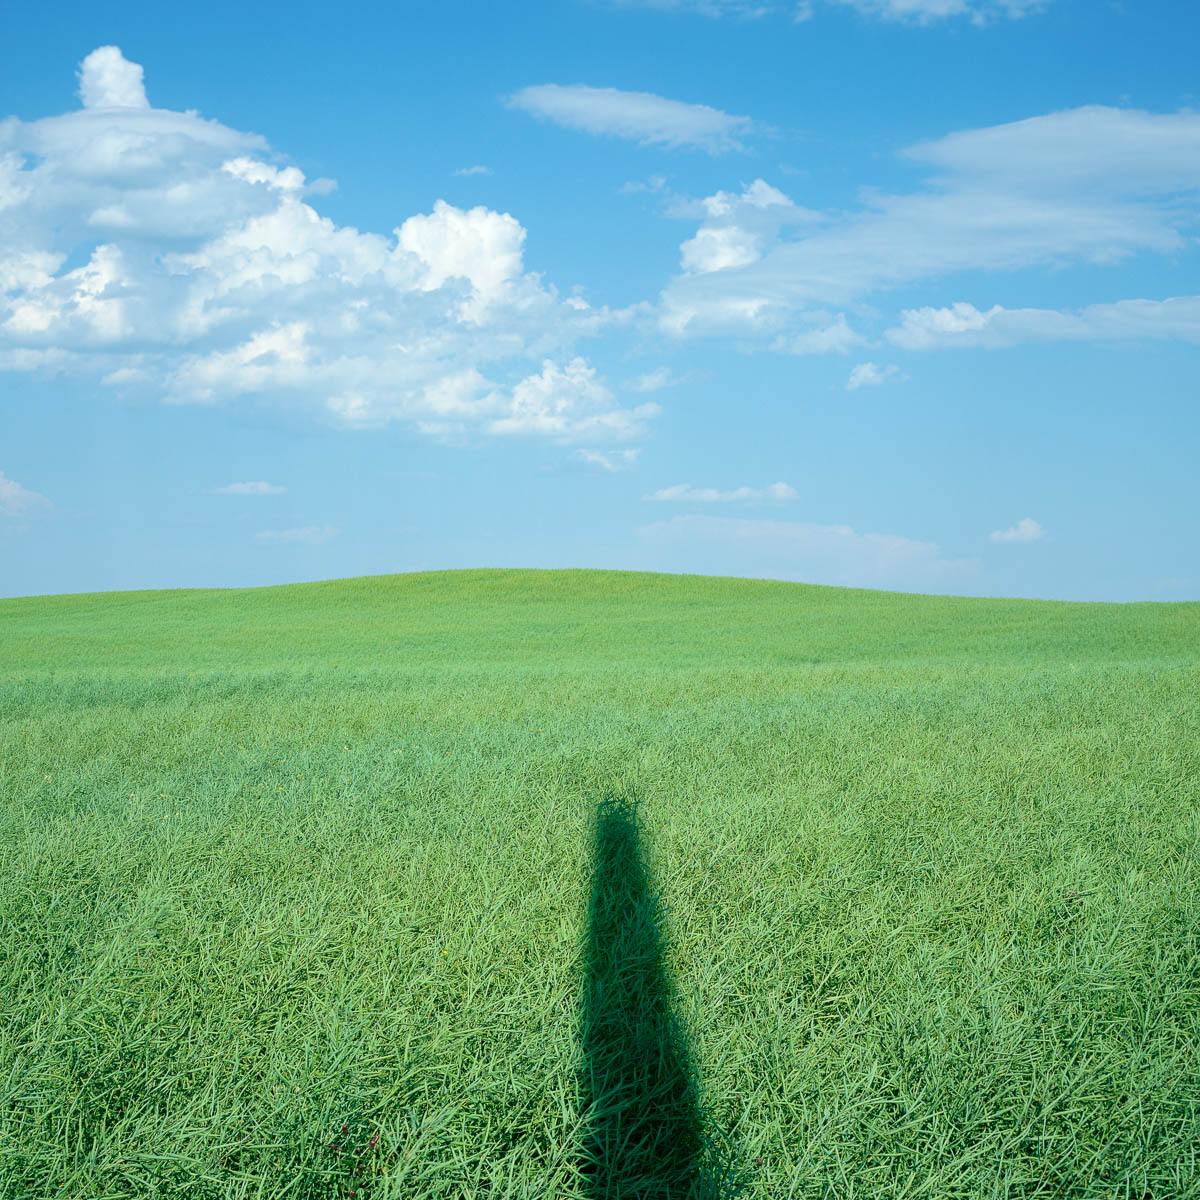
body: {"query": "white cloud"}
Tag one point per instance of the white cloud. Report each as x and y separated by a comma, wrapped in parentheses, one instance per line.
(607, 460)
(17, 501)
(569, 403)
(718, 314)
(285, 179)
(654, 185)
(310, 534)
(923, 12)
(831, 554)
(870, 374)
(962, 324)
(480, 246)
(1120, 152)
(707, 8)
(641, 117)
(1091, 185)
(477, 170)
(255, 488)
(1025, 530)
(737, 228)
(107, 80)
(826, 336)
(657, 380)
(172, 256)
(685, 493)
(916, 11)
(718, 249)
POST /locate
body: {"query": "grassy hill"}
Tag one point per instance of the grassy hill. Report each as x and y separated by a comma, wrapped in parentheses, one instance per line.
(597, 884)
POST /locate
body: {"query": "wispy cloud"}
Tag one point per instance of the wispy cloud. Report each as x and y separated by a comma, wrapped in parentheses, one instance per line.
(640, 117)
(1092, 185)
(870, 374)
(256, 488)
(833, 554)
(917, 12)
(685, 493)
(747, 9)
(477, 170)
(962, 324)
(607, 460)
(18, 501)
(655, 185)
(825, 336)
(312, 534)
(657, 380)
(925, 12)
(1025, 530)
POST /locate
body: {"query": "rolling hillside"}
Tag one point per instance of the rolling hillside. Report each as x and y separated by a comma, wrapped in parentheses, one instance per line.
(597, 884)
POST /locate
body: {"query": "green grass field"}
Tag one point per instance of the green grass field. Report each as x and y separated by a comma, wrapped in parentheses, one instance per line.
(590, 884)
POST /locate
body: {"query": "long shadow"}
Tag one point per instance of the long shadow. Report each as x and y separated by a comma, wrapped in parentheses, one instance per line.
(642, 1137)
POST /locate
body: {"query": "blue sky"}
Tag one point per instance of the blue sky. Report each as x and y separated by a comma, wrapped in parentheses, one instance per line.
(883, 293)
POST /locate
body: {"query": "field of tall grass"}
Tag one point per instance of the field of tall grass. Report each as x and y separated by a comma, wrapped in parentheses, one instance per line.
(594, 884)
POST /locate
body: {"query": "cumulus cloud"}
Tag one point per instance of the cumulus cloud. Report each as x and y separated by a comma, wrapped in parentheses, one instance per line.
(738, 227)
(171, 256)
(107, 80)
(640, 117)
(717, 294)
(312, 535)
(1092, 185)
(18, 501)
(607, 460)
(480, 246)
(830, 554)
(1025, 530)
(569, 403)
(870, 374)
(256, 488)
(962, 324)
(685, 493)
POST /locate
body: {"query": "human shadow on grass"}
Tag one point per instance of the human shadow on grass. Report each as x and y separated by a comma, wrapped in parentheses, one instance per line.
(644, 1133)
